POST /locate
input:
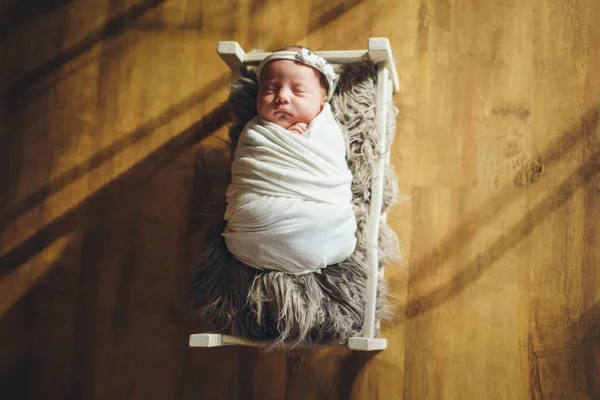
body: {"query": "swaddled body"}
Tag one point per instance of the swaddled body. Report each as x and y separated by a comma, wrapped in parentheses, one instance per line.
(289, 202)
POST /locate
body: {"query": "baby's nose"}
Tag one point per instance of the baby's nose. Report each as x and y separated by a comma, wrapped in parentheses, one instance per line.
(283, 95)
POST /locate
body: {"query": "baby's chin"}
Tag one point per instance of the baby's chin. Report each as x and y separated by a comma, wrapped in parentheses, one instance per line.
(283, 120)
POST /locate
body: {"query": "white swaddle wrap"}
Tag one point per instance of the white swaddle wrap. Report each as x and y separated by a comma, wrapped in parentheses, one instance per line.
(289, 202)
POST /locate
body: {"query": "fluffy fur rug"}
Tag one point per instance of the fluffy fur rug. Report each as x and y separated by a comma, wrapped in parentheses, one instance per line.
(286, 310)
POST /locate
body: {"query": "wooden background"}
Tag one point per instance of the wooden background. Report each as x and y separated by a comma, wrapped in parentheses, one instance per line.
(111, 149)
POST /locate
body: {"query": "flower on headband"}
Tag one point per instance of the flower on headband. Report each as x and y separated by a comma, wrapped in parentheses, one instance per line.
(319, 63)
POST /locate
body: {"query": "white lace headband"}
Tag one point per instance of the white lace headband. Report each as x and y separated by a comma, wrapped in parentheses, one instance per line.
(307, 57)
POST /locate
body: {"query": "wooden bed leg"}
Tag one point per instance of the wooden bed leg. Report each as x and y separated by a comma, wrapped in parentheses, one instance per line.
(380, 51)
(205, 340)
(217, 340)
(233, 55)
(367, 344)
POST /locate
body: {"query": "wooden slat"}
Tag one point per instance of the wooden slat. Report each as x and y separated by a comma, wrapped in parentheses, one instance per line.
(334, 57)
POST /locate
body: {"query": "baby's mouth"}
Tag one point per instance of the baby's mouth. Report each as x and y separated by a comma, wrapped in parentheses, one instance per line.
(282, 111)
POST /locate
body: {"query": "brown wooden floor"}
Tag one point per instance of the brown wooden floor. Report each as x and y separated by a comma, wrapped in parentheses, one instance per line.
(111, 145)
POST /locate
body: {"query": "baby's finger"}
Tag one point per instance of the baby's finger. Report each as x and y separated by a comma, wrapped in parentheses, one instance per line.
(300, 127)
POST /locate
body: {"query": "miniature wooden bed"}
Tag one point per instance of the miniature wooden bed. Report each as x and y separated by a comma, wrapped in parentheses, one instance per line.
(378, 52)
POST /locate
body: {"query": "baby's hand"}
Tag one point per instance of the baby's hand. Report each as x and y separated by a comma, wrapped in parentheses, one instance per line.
(298, 127)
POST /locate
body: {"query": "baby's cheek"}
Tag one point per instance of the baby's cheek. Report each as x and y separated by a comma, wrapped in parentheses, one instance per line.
(262, 109)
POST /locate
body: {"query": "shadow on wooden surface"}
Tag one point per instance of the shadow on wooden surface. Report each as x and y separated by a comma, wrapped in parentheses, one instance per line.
(68, 221)
(16, 12)
(80, 323)
(350, 368)
(195, 133)
(426, 265)
(326, 12)
(330, 373)
(18, 94)
(589, 326)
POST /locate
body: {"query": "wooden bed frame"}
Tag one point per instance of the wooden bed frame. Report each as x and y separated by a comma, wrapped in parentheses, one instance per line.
(379, 52)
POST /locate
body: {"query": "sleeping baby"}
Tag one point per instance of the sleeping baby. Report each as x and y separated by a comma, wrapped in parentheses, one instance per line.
(289, 201)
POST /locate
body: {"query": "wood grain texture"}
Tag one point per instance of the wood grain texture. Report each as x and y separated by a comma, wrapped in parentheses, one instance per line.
(112, 143)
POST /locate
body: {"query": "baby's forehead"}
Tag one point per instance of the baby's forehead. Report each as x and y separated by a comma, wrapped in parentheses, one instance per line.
(289, 68)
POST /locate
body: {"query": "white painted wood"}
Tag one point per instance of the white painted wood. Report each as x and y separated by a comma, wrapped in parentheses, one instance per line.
(333, 57)
(232, 53)
(205, 340)
(387, 162)
(380, 51)
(367, 344)
(388, 153)
(216, 340)
(375, 206)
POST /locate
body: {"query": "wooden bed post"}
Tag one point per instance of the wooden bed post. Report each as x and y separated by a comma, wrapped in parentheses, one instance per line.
(380, 52)
(233, 55)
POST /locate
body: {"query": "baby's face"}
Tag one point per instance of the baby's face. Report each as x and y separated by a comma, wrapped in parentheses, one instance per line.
(289, 93)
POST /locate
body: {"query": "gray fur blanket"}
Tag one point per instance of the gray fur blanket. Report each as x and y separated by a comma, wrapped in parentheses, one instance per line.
(290, 310)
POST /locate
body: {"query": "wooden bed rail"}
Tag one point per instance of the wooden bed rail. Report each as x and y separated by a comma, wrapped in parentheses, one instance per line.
(379, 51)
